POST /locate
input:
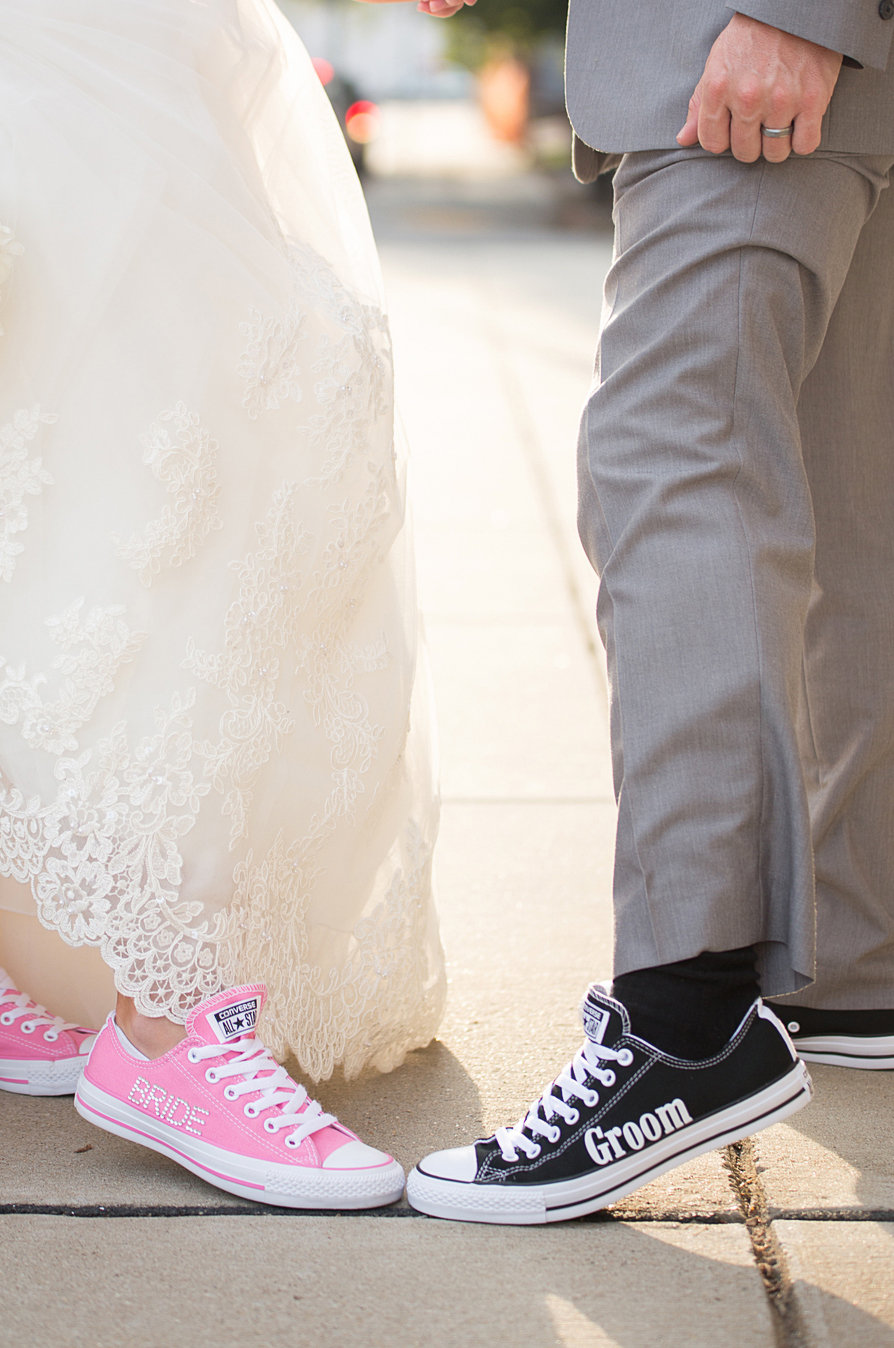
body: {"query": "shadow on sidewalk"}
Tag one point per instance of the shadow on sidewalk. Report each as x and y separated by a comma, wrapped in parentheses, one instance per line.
(429, 1102)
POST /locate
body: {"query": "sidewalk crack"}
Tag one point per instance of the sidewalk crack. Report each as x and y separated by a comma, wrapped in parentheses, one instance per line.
(741, 1164)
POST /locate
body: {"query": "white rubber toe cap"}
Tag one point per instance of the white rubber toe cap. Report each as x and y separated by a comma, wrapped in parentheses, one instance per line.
(460, 1163)
(355, 1155)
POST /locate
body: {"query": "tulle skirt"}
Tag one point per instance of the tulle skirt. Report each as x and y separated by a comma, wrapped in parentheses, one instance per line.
(215, 760)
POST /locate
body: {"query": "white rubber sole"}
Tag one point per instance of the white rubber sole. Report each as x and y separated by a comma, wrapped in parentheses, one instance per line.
(285, 1186)
(873, 1052)
(536, 1204)
(41, 1077)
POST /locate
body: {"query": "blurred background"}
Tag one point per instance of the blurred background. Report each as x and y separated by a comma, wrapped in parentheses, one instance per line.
(494, 259)
(481, 93)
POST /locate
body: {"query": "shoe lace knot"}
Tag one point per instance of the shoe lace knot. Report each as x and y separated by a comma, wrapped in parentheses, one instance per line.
(250, 1070)
(589, 1064)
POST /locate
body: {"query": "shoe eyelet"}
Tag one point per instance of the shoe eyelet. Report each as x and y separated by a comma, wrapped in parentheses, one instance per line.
(230, 1093)
(270, 1125)
(591, 1099)
(27, 1029)
(608, 1078)
(555, 1134)
(625, 1057)
(794, 1026)
(51, 1036)
(192, 1055)
(6, 1018)
(249, 1111)
(290, 1141)
(211, 1076)
(534, 1153)
(573, 1117)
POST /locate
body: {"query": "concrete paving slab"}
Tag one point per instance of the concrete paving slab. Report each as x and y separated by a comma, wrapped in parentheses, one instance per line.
(831, 1156)
(843, 1276)
(120, 1283)
(51, 1156)
(522, 713)
(475, 575)
(494, 441)
(547, 412)
(466, 463)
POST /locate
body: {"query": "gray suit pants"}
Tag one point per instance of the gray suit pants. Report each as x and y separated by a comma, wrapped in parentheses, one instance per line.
(737, 501)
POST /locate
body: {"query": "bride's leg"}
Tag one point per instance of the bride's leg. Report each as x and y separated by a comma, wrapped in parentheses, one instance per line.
(152, 1035)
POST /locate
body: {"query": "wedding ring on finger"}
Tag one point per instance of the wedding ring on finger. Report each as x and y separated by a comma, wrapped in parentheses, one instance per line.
(777, 132)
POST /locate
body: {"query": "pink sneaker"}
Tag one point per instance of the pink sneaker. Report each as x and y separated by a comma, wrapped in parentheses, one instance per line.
(220, 1105)
(38, 1064)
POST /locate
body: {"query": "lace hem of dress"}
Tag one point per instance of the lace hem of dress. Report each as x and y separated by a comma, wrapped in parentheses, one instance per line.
(386, 999)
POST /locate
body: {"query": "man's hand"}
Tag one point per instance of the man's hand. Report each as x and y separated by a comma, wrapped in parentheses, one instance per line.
(441, 9)
(758, 76)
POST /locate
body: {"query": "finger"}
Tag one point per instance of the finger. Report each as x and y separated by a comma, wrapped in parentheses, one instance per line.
(714, 129)
(808, 131)
(688, 133)
(776, 149)
(778, 112)
(713, 115)
(746, 141)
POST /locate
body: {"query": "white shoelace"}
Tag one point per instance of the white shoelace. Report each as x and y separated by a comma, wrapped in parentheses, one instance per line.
(19, 1006)
(261, 1075)
(572, 1084)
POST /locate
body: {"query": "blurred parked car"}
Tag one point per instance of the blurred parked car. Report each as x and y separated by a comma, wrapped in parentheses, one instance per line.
(358, 117)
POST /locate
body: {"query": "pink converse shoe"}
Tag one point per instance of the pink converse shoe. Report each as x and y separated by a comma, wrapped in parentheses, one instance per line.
(220, 1105)
(40, 1054)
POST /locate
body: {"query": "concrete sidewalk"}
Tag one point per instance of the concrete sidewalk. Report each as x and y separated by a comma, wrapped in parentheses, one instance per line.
(788, 1239)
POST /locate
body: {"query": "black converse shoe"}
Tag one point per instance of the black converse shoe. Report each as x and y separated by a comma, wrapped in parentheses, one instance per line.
(621, 1113)
(841, 1038)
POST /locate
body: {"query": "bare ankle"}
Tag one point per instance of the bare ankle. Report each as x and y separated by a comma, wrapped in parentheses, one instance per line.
(152, 1035)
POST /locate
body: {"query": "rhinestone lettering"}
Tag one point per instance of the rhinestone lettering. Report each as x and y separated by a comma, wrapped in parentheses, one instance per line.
(171, 1109)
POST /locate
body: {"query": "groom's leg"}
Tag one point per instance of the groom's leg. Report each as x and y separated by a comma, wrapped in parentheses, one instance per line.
(847, 423)
(696, 512)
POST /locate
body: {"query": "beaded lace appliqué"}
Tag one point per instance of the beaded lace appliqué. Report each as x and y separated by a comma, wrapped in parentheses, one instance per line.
(94, 647)
(260, 627)
(20, 477)
(384, 998)
(183, 456)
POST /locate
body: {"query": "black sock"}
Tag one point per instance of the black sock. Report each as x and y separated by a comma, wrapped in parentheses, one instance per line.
(690, 1009)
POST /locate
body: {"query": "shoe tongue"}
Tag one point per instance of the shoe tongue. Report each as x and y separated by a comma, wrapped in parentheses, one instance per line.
(228, 1015)
(605, 1020)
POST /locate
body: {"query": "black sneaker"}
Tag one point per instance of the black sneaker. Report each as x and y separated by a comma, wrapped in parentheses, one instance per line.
(840, 1038)
(621, 1113)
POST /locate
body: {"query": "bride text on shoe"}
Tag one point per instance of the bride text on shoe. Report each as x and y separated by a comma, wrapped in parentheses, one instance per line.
(171, 1109)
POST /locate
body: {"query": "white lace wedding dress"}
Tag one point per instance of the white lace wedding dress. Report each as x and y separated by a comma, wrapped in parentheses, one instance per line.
(214, 760)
